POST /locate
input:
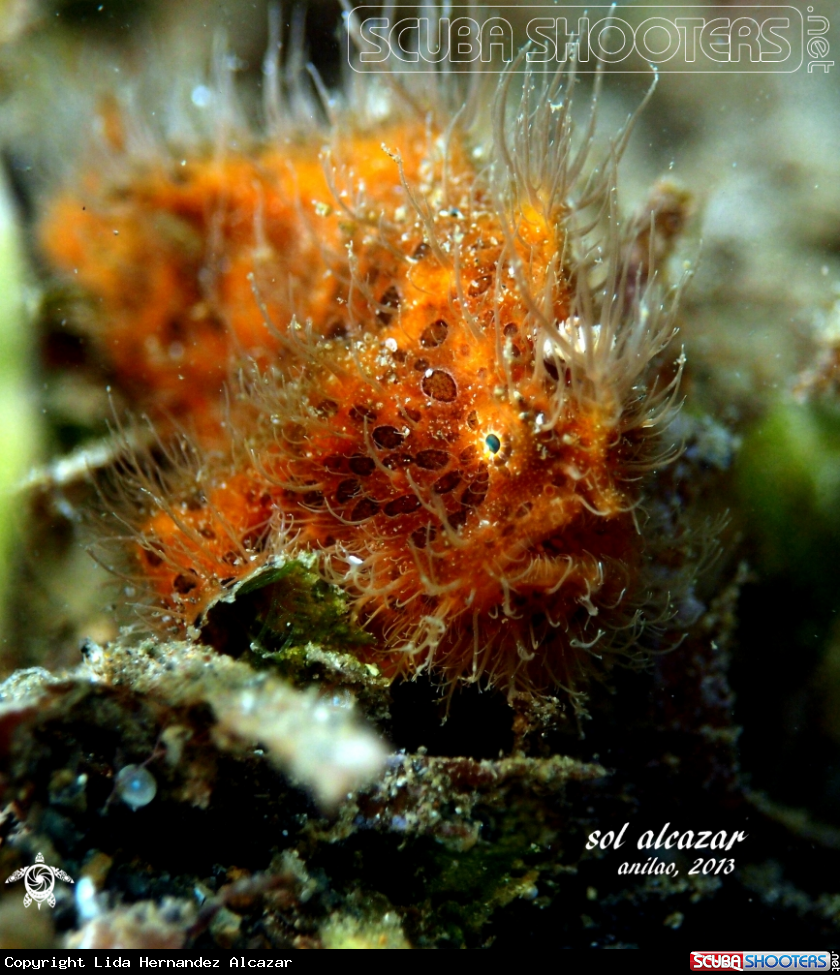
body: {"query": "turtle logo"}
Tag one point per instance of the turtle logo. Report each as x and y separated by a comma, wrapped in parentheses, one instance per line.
(39, 880)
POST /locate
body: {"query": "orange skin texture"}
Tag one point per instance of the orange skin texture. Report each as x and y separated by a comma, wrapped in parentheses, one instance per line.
(171, 256)
(205, 537)
(471, 538)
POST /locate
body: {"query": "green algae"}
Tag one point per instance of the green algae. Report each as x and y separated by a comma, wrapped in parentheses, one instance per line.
(280, 614)
(788, 478)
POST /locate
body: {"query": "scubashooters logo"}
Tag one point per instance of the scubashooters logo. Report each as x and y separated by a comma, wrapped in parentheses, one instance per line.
(39, 880)
(679, 39)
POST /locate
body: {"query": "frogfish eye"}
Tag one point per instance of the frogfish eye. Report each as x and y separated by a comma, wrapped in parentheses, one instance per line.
(493, 443)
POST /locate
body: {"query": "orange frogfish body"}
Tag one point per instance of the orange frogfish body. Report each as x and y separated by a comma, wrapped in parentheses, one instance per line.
(454, 409)
(190, 267)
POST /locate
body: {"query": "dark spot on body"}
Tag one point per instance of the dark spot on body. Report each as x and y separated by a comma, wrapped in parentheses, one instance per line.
(421, 536)
(360, 413)
(364, 509)
(390, 301)
(388, 438)
(479, 285)
(434, 335)
(439, 385)
(175, 331)
(447, 483)
(257, 539)
(405, 505)
(347, 489)
(473, 497)
(336, 330)
(326, 408)
(184, 583)
(361, 465)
